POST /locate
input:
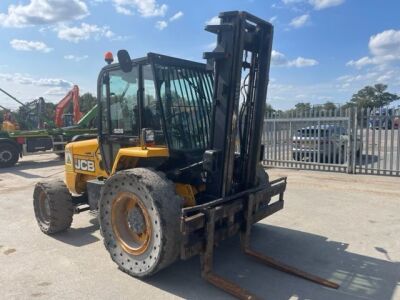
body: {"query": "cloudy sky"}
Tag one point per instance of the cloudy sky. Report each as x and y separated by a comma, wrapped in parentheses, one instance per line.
(324, 50)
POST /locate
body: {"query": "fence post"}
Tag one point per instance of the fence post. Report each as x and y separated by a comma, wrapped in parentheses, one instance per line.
(352, 114)
(354, 141)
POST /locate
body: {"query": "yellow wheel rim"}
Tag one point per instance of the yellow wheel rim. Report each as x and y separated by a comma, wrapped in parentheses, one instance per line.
(131, 223)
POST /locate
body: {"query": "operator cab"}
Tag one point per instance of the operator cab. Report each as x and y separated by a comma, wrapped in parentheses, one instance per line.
(156, 102)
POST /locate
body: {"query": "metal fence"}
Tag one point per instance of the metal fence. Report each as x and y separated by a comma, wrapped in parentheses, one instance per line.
(353, 141)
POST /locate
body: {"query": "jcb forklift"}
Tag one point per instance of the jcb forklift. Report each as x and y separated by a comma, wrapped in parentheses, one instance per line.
(176, 165)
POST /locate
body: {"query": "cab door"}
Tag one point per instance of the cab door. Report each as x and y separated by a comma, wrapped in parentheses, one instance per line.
(120, 113)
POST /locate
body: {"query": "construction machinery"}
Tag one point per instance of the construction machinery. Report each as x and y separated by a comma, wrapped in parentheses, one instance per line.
(62, 119)
(176, 165)
(32, 131)
(31, 115)
(16, 143)
(9, 123)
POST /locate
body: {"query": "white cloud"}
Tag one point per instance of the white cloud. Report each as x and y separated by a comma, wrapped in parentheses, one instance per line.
(390, 75)
(386, 44)
(123, 10)
(49, 82)
(353, 82)
(83, 32)
(161, 25)
(75, 58)
(176, 16)
(301, 62)
(146, 8)
(279, 59)
(360, 77)
(213, 21)
(384, 48)
(291, 1)
(316, 4)
(273, 19)
(56, 91)
(23, 45)
(363, 61)
(322, 4)
(41, 12)
(28, 80)
(300, 21)
(210, 46)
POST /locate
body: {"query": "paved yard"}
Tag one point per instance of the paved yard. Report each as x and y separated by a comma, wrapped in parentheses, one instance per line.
(342, 227)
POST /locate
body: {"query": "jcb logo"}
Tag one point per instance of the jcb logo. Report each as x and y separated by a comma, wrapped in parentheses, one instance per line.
(84, 165)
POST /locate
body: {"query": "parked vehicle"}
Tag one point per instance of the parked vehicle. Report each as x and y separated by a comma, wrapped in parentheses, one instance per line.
(384, 118)
(15, 143)
(323, 144)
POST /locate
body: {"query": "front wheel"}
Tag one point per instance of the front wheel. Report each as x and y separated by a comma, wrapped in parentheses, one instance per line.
(140, 221)
(9, 155)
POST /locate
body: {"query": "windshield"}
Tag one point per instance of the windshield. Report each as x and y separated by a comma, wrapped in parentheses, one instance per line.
(186, 97)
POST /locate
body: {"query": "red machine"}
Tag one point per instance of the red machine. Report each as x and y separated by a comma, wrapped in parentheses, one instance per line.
(73, 95)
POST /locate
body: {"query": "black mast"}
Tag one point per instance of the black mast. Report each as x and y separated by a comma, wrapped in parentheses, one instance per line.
(243, 47)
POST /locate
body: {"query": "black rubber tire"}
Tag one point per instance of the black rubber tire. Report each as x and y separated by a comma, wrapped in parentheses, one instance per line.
(163, 205)
(9, 155)
(60, 209)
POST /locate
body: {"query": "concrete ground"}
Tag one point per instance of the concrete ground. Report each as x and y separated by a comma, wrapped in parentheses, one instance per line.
(342, 227)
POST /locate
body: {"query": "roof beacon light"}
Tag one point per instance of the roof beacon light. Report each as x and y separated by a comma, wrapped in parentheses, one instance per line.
(108, 57)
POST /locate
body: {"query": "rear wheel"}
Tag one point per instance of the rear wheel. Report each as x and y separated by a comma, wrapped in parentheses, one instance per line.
(9, 155)
(53, 206)
(140, 221)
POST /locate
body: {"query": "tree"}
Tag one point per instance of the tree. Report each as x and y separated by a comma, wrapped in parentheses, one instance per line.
(302, 106)
(373, 97)
(348, 105)
(87, 101)
(269, 109)
(329, 106)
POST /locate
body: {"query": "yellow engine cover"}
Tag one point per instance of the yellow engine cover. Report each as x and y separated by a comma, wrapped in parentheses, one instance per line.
(83, 162)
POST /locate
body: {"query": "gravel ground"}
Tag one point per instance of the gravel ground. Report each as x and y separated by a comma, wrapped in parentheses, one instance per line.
(342, 227)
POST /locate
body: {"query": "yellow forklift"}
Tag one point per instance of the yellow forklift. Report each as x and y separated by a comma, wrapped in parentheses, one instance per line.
(176, 167)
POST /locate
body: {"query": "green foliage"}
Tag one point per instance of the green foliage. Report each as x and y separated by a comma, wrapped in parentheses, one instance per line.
(329, 106)
(269, 109)
(87, 101)
(302, 106)
(373, 97)
(347, 105)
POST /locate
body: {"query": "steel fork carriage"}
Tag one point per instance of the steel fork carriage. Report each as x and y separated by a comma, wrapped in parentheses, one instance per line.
(204, 226)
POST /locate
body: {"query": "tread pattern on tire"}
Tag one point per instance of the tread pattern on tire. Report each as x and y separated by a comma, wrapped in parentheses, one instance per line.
(61, 206)
(164, 206)
(15, 154)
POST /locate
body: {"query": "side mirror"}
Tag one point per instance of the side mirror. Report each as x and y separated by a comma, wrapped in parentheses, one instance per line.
(125, 61)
